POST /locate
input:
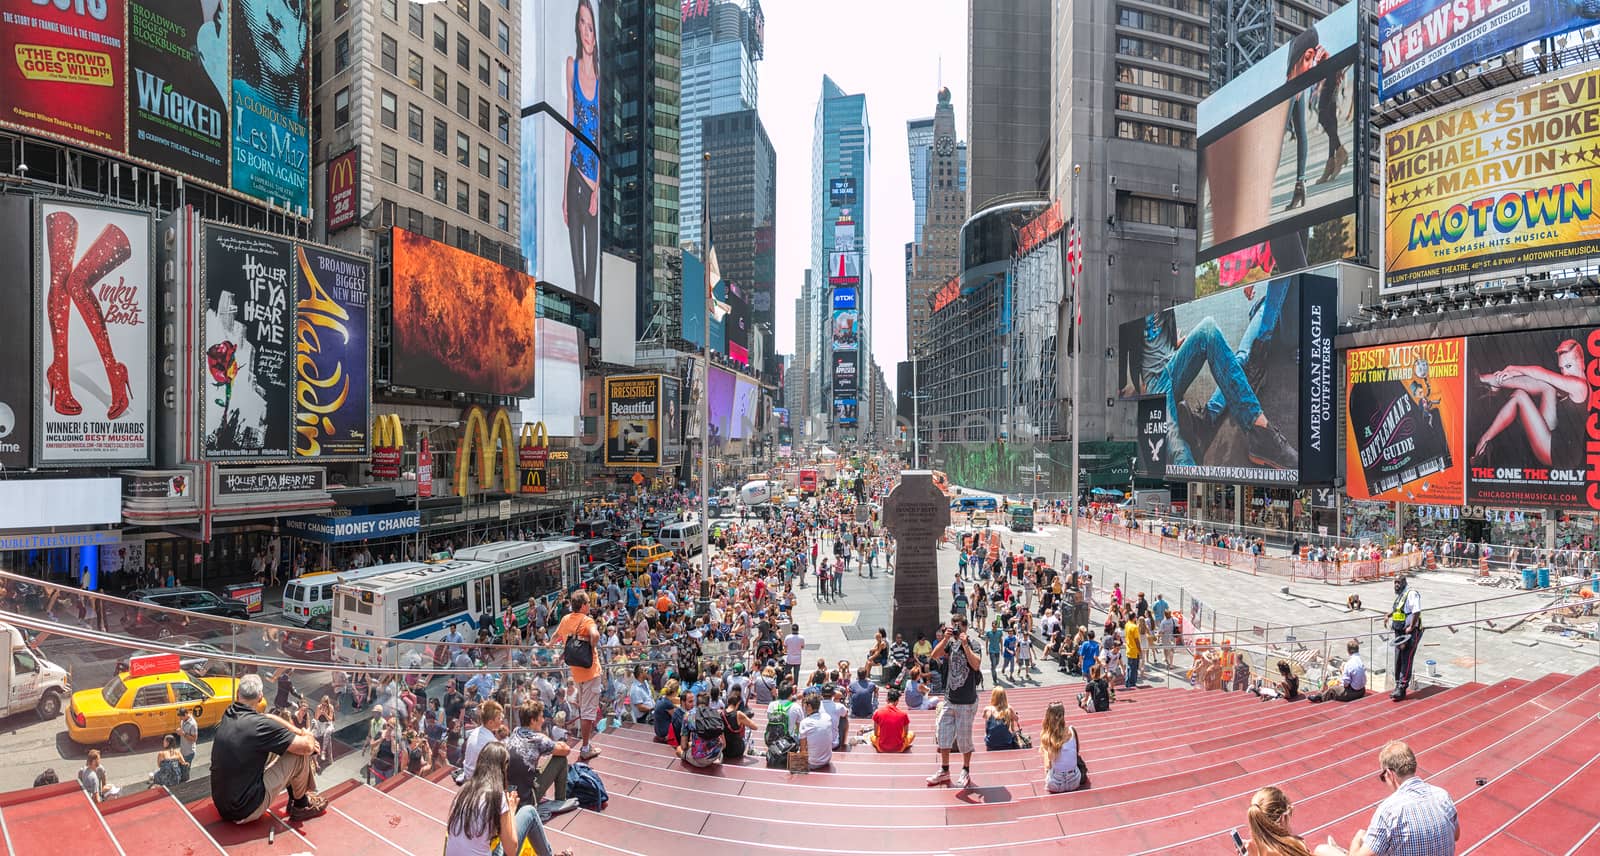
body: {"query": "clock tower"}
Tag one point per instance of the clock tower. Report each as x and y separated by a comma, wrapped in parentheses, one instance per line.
(939, 170)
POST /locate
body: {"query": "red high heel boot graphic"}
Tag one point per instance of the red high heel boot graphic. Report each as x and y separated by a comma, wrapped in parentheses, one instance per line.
(108, 251)
(62, 231)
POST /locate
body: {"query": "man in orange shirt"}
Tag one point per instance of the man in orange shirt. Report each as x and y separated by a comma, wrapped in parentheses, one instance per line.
(577, 624)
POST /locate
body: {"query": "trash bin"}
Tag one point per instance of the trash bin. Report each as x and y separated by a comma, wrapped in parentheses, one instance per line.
(1529, 579)
(1544, 578)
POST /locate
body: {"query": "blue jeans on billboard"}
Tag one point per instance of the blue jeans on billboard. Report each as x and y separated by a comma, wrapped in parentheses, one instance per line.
(1258, 333)
(1297, 123)
(1204, 346)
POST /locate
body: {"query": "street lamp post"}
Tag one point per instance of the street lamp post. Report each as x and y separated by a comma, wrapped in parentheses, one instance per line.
(424, 433)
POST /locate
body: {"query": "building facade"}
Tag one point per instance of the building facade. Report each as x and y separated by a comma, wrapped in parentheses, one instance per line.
(1008, 81)
(741, 179)
(841, 159)
(722, 42)
(1243, 32)
(941, 208)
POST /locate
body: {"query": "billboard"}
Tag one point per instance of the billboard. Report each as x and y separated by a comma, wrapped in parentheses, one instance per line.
(461, 322)
(746, 415)
(271, 102)
(844, 233)
(178, 86)
(557, 400)
(1533, 423)
(694, 306)
(618, 311)
(1279, 160)
(844, 268)
(1425, 39)
(1504, 182)
(719, 404)
(65, 70)
(841, 192)
(1405, 407)
(1238, 386)
(247, 345)
(844, 329)
(737, 325)
(671, 421)
(344, 192)
(560, 158)
(93, 302)
(844, 374)
(844, 411)
(16, 339)
(633, 421)
(332, 362)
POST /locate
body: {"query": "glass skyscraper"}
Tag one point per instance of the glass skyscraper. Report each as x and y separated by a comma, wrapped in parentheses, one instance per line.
(722, 41)
(841, 161)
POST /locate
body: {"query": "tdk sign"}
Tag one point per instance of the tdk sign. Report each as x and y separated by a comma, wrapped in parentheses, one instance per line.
(844, 298)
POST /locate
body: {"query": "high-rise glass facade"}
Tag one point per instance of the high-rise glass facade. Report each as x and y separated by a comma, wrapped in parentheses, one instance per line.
(722, 42)
(841, 149)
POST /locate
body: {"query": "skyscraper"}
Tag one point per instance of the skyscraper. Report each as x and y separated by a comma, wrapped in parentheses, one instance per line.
(841, 158)
(919, 145)
(1008, 78)
(741, 177)
(722, 42)
(941, 208)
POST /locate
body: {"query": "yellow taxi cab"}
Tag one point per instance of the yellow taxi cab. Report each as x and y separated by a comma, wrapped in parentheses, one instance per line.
(144, 702)
(640, 557)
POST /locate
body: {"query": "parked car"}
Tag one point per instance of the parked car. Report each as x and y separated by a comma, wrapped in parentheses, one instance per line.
(599, 550)
(150, 624)
(144, 702)
(314, 643)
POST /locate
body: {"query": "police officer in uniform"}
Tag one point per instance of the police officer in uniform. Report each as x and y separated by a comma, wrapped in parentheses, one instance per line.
(1405, 620)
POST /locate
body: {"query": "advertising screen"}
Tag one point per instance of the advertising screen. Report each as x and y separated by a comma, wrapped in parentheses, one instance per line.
(271, 102)
(618, 309)
(736, 326)
(558, 387)
(461, 322)
(65, 70)
(694, 306)
(16, 339)
(844, 233)
(720, 404)
(633, 421)
(332, 364)
(844, 268)
(1425, 39)
(248, 344)
(94, 405)
(1533, 419)
(844, 330)
(844, 411)
(1506, 182)
(344, 193)
(178, 86)
(1244, 382)
(671, 421)
(561, 103)
(746, 415)
(844, 374)
(1406, 406)
(1278, 161)
(841, 192)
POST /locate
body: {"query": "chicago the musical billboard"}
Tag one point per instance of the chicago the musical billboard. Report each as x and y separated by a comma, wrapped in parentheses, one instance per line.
(332, 364)
(633, 421)
(248, 344)
(1403, 431)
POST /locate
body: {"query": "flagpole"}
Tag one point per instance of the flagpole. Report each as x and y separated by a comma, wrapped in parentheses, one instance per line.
(705, 393)
(1077, 350)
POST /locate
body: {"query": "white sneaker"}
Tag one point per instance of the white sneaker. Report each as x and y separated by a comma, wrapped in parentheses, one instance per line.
(963, 779)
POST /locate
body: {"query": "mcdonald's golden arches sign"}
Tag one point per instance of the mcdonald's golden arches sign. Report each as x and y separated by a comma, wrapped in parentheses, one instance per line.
(489, 434)
(344, 194)
(388, 441)
(533, 450)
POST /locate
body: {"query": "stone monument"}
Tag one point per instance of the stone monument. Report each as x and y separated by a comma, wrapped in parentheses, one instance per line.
(916, 512)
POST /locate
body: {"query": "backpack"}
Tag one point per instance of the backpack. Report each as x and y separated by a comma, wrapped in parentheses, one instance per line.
(585, 786)
(778, 751)
(1100, 695)
(778, 722)
(702, 748)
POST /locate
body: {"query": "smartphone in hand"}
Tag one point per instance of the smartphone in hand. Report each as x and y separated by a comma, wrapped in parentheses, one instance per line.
(1238, 844)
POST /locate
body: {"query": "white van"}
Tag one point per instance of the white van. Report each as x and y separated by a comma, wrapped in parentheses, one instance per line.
(682, 538)
(27, 680)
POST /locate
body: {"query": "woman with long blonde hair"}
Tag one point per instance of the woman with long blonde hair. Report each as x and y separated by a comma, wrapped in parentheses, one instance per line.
(1001, 728)
(1058, 743)
(1269, 826)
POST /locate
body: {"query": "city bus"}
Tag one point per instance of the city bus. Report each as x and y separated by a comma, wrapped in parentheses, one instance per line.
(417, 600)
(312, 595)
(1020, 516)
(969, 504)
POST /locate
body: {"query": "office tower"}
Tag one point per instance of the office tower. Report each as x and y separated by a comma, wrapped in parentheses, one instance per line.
(941, 208)
(841, 157)
(741, 180)
(1008, 80)
(722, 42)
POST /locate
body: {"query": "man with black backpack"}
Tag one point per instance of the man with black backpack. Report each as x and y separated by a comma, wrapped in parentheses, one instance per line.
(580, 639)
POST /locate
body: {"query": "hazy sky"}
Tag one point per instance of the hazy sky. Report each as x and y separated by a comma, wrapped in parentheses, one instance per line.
(890, 50)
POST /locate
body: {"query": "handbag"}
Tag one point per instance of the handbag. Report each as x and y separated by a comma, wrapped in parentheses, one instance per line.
(1083, 774)
(578, 652)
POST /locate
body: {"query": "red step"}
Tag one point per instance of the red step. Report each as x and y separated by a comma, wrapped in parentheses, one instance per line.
(153, 821)
(35, 821)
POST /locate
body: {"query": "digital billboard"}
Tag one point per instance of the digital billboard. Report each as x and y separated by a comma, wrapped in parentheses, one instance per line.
(841, 192)
(344, 192)
(633, 421)
(1279, 160)
(1504, 182)
(844, 268)
(746, 414)
(247, 346)
(1405, 407)
(844, 411)
(65, 70)
(561, 103)
(93, 401)
(1425, 39)
(1238, 386)
(618, 309)
(719, 403)
(1533, 422)
(558, 387)
(16, 338)
(844, 233)
(332, 360)
(844, 329)
(271, 102)
(737, 325)
(694, 306)
(461, 322)
(844, 374)
(179, 98)
(671, 421)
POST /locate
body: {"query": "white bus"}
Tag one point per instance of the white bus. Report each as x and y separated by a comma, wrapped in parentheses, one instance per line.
(312, 594)
(416, 600)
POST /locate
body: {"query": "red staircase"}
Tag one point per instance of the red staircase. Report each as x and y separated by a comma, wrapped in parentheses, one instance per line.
(1172, 772)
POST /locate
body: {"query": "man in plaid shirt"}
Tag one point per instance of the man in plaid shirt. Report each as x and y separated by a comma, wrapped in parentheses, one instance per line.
(1416, 819)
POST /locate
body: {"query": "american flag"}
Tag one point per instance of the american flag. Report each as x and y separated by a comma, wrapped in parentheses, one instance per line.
(1075, 269)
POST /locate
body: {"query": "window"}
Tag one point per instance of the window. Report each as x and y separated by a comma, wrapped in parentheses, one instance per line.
(464, 9)
(502, 171)
(432, 606)
(463, 149)
(341, 52)
(502, 217)
(502, 80)
(341, 107)
(22, 663)
(483, 19)
(441, 186)
(441, 137)
(391, 9)
(388, 159)
(483, 161)
(483, 113)
(390, 52)
(188, 691)
(483, 68)
(415, 23)
(341, 8)
(414, 174)
(1154, 134)
(483, 205)
(1156, 212)
(502, 126)
(463, 197)
(441, 86)
(463, 101)
(441, 36)
(151, 695)
(316, 69)
(502, 37)
(414, 122)
(463, 51)
(414, 70)
(387, 109)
